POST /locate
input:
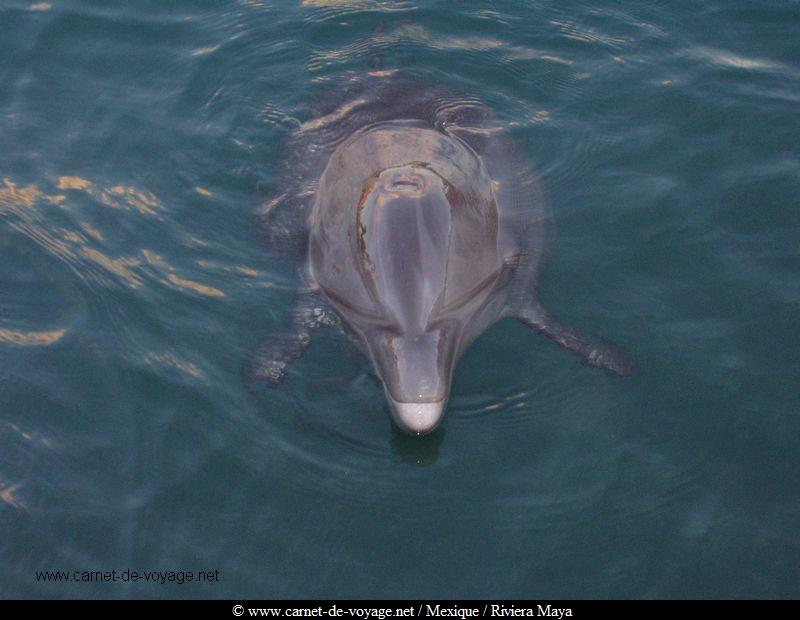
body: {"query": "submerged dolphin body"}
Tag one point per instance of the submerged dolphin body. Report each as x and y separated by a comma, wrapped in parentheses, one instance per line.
(422, 224)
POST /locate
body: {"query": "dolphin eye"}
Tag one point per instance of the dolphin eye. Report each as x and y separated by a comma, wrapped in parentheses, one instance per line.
(349, 306)
(476, 295)
(350, 311)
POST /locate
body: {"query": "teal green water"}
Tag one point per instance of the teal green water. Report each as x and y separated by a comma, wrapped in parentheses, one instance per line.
(138, 138)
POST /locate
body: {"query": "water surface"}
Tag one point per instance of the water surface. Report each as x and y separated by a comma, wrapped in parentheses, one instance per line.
(136, 141)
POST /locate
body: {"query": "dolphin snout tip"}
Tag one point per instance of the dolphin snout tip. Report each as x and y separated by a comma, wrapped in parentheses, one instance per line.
(417, 418)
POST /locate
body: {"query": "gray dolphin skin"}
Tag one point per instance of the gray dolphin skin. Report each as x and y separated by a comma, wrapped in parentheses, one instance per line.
(417, 223)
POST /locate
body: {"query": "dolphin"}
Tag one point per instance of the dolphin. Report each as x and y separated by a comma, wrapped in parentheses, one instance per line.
(425, 225)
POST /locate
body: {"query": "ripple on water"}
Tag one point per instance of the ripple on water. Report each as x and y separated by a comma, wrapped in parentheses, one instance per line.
(321, 11)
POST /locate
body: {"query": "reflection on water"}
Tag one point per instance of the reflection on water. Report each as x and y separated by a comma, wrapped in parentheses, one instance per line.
(418, 451)
(25, 208)
(8, 496)
(30, 338)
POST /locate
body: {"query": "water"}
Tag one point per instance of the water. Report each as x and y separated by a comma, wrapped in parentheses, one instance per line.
(136, 141)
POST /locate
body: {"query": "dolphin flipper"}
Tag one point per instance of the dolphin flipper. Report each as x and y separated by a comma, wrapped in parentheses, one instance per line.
(268, 361)
(594, 350)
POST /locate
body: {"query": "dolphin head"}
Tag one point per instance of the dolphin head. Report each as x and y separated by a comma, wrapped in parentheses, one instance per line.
(424, 294)
(408, 255)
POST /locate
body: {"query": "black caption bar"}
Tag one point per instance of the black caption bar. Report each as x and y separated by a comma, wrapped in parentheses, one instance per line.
(383, 610)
